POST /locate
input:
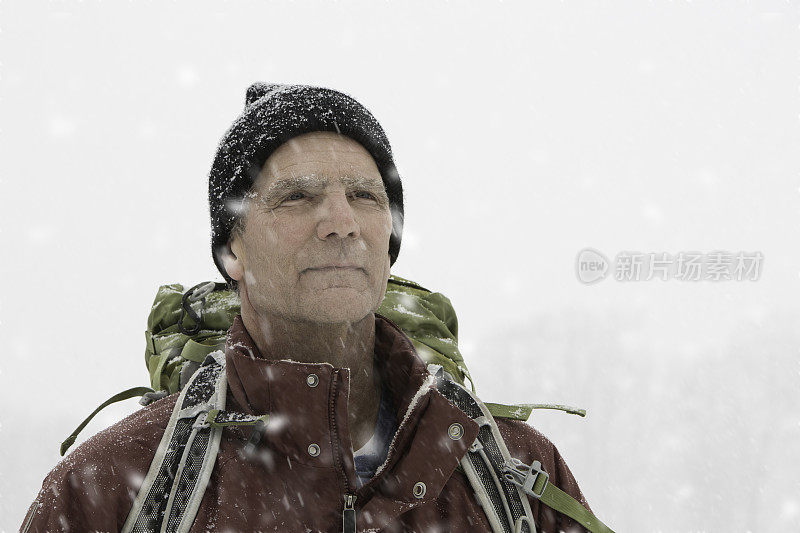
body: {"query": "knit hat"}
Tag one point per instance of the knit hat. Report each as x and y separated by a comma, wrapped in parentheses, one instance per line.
(273, 114)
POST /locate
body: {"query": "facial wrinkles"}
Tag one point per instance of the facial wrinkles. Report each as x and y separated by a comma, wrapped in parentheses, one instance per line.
(352, 251)
(314, 182)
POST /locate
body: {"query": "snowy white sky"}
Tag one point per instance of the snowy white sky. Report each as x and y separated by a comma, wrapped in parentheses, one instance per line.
(522, 133)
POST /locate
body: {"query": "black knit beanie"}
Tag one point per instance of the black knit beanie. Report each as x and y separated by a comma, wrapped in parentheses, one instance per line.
(273, 114)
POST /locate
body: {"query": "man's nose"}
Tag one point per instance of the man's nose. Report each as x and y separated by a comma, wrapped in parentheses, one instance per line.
(337, 218)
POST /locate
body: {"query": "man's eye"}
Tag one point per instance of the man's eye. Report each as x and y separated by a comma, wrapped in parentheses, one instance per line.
(295, 196)
(364, 194)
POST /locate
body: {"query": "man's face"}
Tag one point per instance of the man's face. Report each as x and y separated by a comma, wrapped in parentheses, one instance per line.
(315, 244)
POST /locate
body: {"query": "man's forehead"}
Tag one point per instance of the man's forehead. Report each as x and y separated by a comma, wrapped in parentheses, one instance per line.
(318, 181)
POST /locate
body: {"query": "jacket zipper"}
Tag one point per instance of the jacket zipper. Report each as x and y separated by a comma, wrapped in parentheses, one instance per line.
(349, 514)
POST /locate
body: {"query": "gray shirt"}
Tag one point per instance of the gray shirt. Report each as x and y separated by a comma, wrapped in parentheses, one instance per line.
(372, 455)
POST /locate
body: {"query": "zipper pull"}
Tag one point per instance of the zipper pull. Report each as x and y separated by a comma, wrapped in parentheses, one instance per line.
(349, 514)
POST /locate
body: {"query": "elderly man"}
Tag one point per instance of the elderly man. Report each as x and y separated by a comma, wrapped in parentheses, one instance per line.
(307, 210)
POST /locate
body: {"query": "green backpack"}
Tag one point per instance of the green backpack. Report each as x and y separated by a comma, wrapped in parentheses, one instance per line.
(185, 326)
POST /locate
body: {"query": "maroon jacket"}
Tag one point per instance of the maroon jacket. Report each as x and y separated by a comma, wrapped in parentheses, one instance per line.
(283, 488)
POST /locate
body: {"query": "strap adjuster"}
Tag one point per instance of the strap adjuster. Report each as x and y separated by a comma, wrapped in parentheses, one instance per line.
(525, 476)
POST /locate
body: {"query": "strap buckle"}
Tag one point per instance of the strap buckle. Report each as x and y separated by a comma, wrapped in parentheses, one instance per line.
(525, 476)
(203, 420)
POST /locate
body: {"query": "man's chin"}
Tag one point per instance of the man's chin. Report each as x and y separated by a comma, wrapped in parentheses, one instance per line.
(338, 317)
(340, 304)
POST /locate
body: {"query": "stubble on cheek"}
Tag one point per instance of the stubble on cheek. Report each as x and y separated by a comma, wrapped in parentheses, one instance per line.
(267, 252)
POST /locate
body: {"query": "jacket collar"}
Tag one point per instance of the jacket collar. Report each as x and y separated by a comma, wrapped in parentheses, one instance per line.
(251, 377)
(300, 414)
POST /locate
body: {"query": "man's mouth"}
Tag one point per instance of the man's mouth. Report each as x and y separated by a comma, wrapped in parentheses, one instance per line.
(332, 268)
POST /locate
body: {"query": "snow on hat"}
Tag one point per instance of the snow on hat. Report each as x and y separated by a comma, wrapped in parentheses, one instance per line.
(273, 114)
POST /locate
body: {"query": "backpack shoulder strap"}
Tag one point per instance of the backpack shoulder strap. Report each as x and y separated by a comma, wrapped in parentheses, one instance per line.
(505, 504)
(501, 483)
(171, 493)
(185, 457)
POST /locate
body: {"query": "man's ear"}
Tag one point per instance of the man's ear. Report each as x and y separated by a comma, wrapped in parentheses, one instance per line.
(232, 260)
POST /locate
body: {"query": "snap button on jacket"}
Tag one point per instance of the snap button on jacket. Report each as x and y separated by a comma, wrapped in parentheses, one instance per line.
(285, 487)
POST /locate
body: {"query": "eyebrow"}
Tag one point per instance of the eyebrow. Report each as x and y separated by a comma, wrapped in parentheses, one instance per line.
(313, 181)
